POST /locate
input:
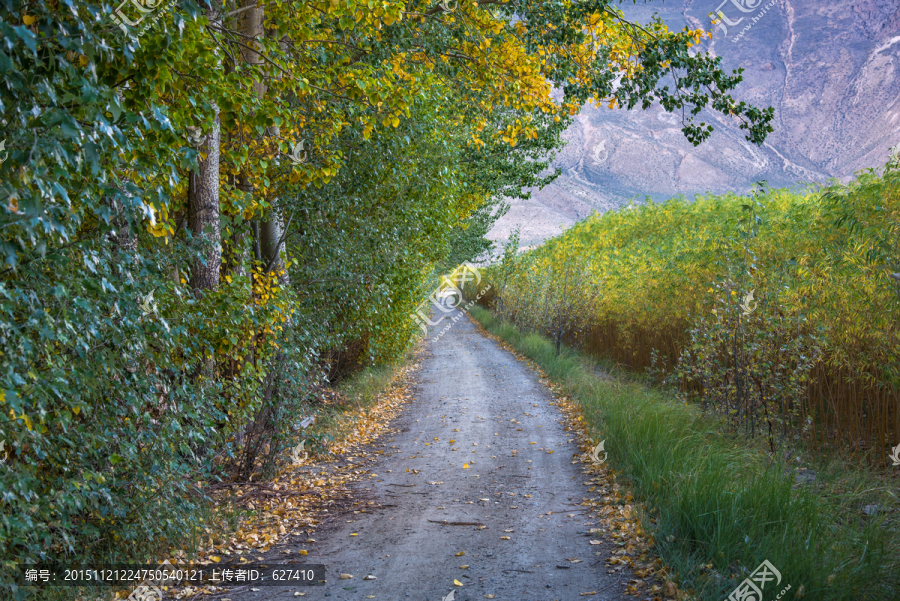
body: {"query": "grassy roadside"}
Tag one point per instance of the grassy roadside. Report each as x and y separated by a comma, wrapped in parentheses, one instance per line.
(718, 506)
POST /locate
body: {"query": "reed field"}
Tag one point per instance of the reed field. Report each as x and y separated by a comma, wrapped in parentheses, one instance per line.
(778, 310)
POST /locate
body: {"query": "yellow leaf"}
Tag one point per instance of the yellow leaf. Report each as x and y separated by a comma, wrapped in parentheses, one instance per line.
(302, 552)
(28, 19)
(461, 553)
(354, 534)
(504, 538)
(215, 558)
(76, 409)
(457, 583)
(346, 576)
(465, 466)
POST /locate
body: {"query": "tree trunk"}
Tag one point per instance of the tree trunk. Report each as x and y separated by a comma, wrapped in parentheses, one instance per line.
(203, 201)
(257, 253)
(203, 212)
(266, 233)
(235, 258)
(271, 243)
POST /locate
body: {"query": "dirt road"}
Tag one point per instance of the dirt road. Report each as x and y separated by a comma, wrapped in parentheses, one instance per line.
(480, 447)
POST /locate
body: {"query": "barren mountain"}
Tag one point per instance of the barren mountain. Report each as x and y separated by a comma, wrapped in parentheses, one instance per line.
(831, 70)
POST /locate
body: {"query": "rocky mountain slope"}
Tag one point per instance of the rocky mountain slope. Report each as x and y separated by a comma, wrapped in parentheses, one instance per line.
(830, 69)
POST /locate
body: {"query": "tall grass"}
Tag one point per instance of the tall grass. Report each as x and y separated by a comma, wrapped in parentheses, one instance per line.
(717, 505)
(780, 309)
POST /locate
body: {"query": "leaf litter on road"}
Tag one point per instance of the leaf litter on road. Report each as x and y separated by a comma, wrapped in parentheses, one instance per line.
(617, 513)
(300, 497)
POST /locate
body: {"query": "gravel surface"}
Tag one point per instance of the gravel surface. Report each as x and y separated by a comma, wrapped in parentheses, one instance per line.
(512, 516)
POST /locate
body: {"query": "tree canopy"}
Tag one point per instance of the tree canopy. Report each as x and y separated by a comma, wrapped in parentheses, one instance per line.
(205, 207)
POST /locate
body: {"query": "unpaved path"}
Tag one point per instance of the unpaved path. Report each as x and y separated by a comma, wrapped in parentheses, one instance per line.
(474, 404)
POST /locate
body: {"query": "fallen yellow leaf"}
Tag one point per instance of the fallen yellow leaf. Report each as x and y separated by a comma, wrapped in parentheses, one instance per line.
(461, 553)
(465, 466)
(346, 576)
(504, 538)
(464, 567)
(354, 534)
(215, 558)
(302, 552)
(457, 583)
